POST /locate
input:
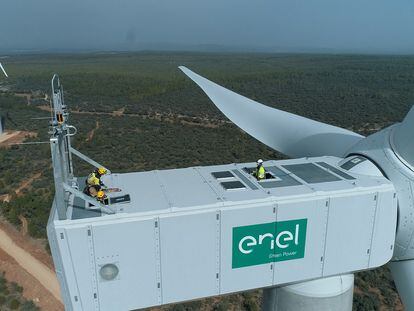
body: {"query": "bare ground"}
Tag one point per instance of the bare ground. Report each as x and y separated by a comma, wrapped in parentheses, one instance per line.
(26, 262)
(10, 138)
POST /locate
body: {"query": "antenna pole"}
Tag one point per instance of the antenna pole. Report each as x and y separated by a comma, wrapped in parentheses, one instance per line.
(60, 145)
(58, 176)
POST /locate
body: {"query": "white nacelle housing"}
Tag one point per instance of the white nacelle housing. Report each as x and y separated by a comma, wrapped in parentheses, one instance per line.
(206, 231)
(380, 149)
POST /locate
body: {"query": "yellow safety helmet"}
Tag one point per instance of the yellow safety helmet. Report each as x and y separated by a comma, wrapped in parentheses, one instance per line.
(102, 171)
(100, 194)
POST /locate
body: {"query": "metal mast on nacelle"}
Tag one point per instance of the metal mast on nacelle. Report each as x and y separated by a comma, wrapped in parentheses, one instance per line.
(61, 149)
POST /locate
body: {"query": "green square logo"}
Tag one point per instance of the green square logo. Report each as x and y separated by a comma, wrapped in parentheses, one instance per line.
(269, 242)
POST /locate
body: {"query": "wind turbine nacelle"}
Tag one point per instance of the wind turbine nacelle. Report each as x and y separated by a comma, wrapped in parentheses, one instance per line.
(205, 231)
(390, 153)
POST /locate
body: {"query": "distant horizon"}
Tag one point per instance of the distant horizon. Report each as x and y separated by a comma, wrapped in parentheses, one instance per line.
(206, 48)
(268, 26)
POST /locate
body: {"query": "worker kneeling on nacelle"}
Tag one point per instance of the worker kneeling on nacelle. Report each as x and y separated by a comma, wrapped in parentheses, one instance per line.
(95, 191)
(94, 185)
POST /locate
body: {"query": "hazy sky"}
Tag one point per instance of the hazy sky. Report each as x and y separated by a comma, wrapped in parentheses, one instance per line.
(342, 25)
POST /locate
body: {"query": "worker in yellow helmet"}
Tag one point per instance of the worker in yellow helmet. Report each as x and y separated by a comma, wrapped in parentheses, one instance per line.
(94, 185)
(95, 191)
(94, 178)
(101, 196)
(260, 172)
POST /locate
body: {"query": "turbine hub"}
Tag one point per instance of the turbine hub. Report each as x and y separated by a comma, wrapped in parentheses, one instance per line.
(401, 140)
(378, 148)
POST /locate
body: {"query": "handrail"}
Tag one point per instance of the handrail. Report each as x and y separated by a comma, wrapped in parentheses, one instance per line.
(87, 159)
(103, 208)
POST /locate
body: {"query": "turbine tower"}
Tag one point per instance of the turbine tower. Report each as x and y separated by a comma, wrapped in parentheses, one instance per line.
(2, 120)
(2, 124)
(4, 71)
(389, 152)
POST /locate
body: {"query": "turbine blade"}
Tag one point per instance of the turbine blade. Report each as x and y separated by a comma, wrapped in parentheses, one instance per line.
(403, 138)
(4, 71)
(403, 274)
(288, 133)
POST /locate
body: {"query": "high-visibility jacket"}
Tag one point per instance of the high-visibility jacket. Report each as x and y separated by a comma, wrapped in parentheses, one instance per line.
(93, 180)
(260, 173)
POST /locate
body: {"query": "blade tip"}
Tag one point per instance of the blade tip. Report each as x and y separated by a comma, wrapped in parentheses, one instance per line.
(183, 69)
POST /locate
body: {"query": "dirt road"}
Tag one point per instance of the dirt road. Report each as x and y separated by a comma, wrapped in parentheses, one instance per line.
(6, 136)
(33, 266)
(25, 184)
(11, 137)
(92, 132)
(168, 117)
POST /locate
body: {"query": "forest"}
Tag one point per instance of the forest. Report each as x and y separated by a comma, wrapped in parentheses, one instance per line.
(137, 112)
